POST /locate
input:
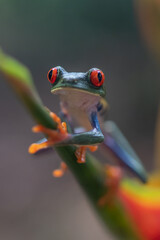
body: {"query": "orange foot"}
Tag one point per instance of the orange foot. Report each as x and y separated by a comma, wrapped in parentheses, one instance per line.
(54, 136)
(113, 177)
(81, 153)
(60, 172)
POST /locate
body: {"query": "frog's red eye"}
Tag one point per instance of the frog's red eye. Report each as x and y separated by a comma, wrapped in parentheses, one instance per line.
(52, 75)
(97, 78)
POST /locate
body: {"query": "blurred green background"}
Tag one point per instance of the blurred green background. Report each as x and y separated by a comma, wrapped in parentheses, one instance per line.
(77, 35)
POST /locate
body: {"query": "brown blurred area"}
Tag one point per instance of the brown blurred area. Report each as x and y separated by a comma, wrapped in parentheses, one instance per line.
(77, 35)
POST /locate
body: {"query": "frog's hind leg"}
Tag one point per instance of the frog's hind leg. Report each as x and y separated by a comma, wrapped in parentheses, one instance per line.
(41, 147)
(36, 147)
(113, 177)
(118, 147)
(60, 172)
(81, 152)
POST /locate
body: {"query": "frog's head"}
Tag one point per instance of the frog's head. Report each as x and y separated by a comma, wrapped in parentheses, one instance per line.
(91, 81)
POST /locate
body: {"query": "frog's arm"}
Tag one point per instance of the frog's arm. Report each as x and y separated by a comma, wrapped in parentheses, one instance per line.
(65, 137)
(116, 143)
(43, 142)
(94, 136)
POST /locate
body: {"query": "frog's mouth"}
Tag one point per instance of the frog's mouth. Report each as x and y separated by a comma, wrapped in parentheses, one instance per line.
(65, 90)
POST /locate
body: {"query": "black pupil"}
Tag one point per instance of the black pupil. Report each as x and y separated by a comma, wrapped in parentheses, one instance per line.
(99, 77)
(50, 75)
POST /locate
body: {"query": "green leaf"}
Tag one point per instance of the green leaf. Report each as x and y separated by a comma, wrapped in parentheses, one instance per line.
(15, 70)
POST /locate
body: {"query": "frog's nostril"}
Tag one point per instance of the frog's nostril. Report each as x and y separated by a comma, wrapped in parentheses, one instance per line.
(70, 80)
(74, 80)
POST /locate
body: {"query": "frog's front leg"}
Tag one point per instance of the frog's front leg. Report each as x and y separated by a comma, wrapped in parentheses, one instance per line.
(61, 137)
(85, 140)
(54, 136)
(92, 137)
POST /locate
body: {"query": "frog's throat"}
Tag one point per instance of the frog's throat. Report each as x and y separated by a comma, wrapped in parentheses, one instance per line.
(59, 90)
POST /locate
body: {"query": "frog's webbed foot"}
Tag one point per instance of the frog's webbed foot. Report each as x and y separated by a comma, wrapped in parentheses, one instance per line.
(54, 136)
(113, 177)
(81, 153)
(60, 172)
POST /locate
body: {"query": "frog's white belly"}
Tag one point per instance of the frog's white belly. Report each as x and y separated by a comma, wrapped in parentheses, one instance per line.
(79, 104)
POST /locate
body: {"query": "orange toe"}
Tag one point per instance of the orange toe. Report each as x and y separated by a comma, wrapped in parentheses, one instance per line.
(93, 148)
(55, 117)
(37, 128)
(33, 148)
(81, 154)
(58, 173)
(62, 127)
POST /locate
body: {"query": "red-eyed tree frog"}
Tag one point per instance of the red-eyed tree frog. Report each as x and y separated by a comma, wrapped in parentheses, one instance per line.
(82, 97)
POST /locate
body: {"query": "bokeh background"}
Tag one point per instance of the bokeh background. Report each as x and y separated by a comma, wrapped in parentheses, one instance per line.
(77, 35)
